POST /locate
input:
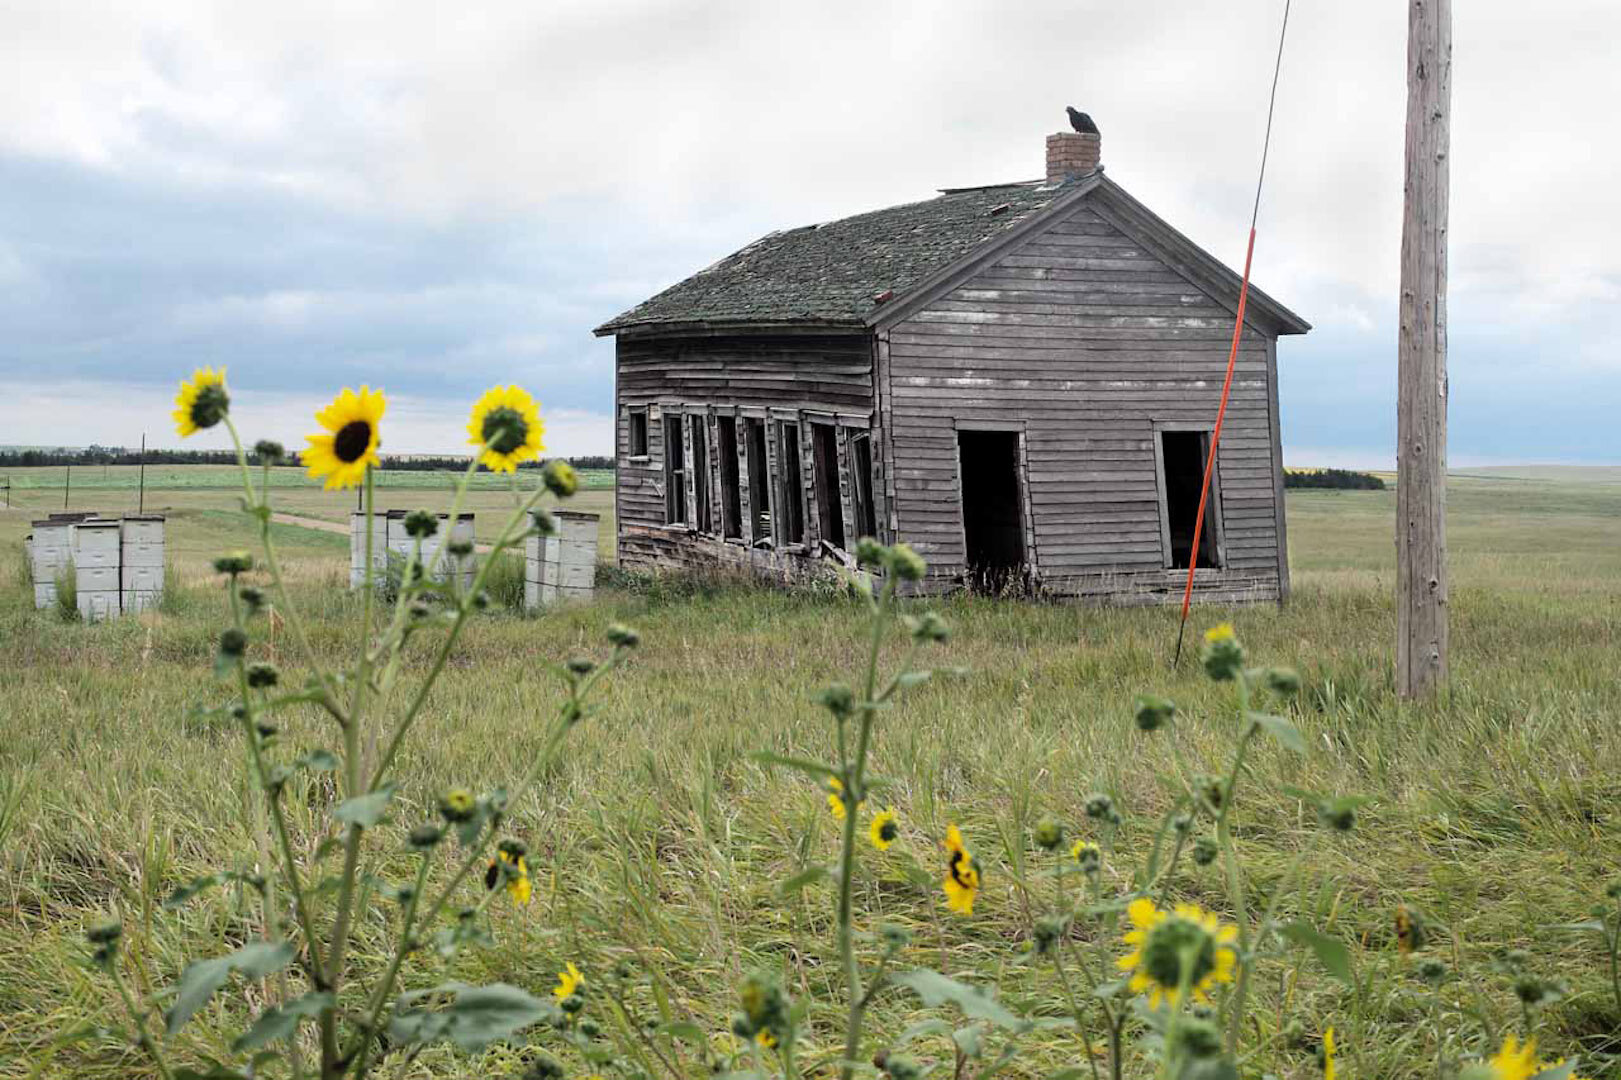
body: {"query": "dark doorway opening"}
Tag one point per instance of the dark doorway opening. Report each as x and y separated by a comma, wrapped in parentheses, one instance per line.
(829, 506)
(759, 482)
(731, 496)
(1182, 456)
(992, 508)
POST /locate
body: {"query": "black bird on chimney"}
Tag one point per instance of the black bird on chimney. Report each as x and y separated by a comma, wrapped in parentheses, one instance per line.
(1080, 121)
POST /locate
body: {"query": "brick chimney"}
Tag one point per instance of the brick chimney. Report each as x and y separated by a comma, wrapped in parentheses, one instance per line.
(1071, 154)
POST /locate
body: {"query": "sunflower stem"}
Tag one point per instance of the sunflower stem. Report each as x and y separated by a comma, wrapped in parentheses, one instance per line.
(1235, 880)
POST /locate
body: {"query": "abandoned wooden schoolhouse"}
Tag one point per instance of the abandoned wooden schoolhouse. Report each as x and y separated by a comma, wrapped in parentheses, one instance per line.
(1018, 380)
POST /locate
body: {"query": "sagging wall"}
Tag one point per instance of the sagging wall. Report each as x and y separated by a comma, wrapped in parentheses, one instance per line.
(1087, 344)
(788, 384)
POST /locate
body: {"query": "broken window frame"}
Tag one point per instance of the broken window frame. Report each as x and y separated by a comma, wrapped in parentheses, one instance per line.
(730, 477)
(672, 429)
(828, 490)
(701, 476)
(636, 434)
(757, 440)
(788, 520)
(863, 507)
(1213, 509)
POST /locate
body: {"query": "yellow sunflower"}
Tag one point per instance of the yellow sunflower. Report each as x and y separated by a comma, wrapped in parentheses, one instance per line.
(506, 423)
(510, 864)
(765, 1039)
(351, 442)
(835, 799)
(961, 883)
(202, 402)
(1162, 939)
(1220, 632)
(884, 829)
(1328, 1054)
(569, 981)
(1515, 1061)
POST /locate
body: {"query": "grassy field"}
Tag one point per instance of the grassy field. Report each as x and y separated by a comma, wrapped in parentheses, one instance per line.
(1496, 810)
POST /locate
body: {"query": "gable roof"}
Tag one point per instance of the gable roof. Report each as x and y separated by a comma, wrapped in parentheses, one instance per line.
(830, 275)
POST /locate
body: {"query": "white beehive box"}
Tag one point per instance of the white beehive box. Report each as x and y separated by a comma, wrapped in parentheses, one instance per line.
(96, 549)
(562, 567)
(357, 546)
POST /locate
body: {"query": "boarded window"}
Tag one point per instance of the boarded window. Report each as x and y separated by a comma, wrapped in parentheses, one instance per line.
(638, 433)
(866, 511)
(703, 515)
(1182, 464)
(675, 472)
(829, 506)
(759, 482)
(791, 489)
(731, 494)
(992, 508)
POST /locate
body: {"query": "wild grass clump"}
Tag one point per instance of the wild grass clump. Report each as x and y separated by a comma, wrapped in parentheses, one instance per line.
(67, 593)
(504, 580)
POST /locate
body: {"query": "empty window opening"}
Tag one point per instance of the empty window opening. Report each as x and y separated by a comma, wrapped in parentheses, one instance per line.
(992, 508)
(638, 433)
(759, 482)
(1182, 457)
(791, 494)
(829, 504)
(702, 517)
(866, 512)
(675, 472)
(731, 495)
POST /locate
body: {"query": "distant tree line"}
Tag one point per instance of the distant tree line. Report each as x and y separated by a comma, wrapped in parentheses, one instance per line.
(120, 455)
(1340, 479)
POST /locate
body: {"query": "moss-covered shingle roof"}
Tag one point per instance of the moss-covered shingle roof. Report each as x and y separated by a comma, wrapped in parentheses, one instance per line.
(830, 274)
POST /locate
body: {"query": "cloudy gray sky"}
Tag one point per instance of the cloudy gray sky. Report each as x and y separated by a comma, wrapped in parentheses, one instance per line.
(437, 197)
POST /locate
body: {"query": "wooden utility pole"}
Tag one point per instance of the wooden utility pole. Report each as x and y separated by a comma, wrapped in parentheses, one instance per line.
(1421, 419)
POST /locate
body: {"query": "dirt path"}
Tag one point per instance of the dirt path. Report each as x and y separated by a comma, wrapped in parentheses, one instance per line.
(322, 525)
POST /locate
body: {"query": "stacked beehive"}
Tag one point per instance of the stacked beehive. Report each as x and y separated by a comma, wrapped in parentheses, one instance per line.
(563, 566)
(117, 564)
(388, 537)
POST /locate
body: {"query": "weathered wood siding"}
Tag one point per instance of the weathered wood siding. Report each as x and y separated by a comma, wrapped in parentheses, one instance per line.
(802, 379)
(1086, 338)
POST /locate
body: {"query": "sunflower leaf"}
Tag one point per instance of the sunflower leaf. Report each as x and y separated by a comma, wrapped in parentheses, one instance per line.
(1280, 729)
(280, 1021)
(936, 989)
(814, 768)
(365, 810)
(202, 977)
(1330, 951)
(806, 877)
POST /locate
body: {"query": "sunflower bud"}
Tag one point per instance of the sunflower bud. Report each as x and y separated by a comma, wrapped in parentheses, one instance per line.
(420, 524)
(1099, 807)
(1196, 1040)
(1432, 971)
(544, 1067)
(1222, 656)
(1049, 931)
(1205, 851)
(870, 552)
(457, 805)
(262, 676)
(907, 564)
(1614, 890)
(267, 731)
(460, 548)
(837, 699)
(560, 478)
(581, 665)
(1049, 833)
(1088, 856)
(1411, 932)
(1183, 824)
(252, 598)
(233, 562)
(1153, 713)
(894, 937)
(1535, 993)
(105, 933)
(233, 642)
(1282, 681)
(1337, 816)
(516, 849)
(425, 836)
(927, 628)
(765, 1007)
(542, 523)
(902, 1067)
(622, 636)
(269, 451)
(481, 600)
(1210, 790)
(420, 609)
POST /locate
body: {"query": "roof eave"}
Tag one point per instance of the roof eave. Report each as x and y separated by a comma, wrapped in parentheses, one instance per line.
(702, 327)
